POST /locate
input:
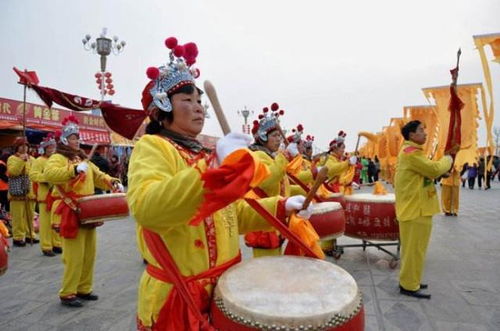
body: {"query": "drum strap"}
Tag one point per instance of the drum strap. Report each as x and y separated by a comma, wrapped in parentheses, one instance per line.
(184, 304)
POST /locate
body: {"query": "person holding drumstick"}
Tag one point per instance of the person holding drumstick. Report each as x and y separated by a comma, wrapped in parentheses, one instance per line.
(74, 176)
(188, 209)
(416, 203)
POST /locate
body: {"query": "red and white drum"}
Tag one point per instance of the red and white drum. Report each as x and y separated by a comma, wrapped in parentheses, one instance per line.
(336, 197)
(102, 208)
(4, 254)
(328, 220)
(371, 217)
(287, 293)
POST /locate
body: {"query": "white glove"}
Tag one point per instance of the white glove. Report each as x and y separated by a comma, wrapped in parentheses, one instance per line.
(292, 149)
(296, 202)
(353, 160)
(230, 143)
(82, 167)
(119, 187)
(355, 186)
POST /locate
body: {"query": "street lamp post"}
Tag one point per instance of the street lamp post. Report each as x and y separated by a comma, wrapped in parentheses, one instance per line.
(245, 113)
(104, 46)
(496, 131)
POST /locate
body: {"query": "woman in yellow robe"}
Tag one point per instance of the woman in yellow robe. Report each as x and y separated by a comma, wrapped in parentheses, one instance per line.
(188, 217)
(22, 206)
(73, 176)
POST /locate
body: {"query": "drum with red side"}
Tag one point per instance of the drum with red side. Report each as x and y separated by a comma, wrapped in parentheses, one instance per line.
(328, 220)
(371, 217)
(102, 208)
(287, 293)
(336, 197)
(4, 254)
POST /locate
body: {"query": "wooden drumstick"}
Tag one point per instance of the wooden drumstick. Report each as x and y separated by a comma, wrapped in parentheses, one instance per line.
(285, 141)
(319, 180)
(212, 96)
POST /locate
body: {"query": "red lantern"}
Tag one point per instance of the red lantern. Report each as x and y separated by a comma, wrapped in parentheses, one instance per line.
(111, 92)
(98, 81)
(109, 86)
(98, 75)
(108, 80)
(107, 74)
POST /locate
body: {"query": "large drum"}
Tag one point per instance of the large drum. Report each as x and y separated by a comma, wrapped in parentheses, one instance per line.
(102, 208)
(336, 197)
(4, 256)
(287, 293)
(371, 217)
(328, 220)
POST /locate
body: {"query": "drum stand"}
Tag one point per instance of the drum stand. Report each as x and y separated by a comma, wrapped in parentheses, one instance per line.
(339, 250)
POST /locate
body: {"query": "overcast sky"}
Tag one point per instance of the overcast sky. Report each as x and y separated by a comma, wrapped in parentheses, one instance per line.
(331, 65)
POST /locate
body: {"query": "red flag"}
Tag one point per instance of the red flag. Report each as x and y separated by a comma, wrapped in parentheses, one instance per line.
(454, 139)
(27, 77)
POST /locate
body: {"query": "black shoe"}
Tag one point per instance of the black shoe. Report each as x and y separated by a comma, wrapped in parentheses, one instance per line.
(19, 243)
(447, 214)
(422, 286)
(454, 214)
(49, 253)
(71, 302)
(88, 296)
(57, 250)
(416, 294)
(32, 241)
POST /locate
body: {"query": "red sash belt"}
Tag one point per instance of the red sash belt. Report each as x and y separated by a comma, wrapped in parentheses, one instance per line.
(186, 307)
(69, 219)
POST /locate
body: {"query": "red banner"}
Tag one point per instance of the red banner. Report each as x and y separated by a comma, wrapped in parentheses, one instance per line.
(93, 129)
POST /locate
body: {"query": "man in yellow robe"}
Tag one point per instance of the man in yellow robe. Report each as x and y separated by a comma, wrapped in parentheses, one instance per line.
(50, 241)
(416, 203)
(22, 204)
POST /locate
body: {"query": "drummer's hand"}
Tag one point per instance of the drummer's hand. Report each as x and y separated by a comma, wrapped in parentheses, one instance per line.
(295, 203)
(353, 160)
(82, 167)
(230, 143)
(292, 149)
(118, 187)
(306, 213)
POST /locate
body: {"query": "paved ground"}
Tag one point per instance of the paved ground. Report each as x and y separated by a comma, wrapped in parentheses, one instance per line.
(463, 272)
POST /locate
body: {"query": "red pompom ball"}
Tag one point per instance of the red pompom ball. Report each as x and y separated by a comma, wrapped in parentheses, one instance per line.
(153, 73)
(195, 72)
(190, 61)
(261, 116)
(111, 92)
(300, 127)
(255, 122)
(171, 42)
(274, 106)
(190, 51)
(265, 109)
(179, 50)
(282, 112)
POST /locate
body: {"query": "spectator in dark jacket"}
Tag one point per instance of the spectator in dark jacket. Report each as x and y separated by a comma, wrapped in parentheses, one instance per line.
(101, 162)
(472, 174)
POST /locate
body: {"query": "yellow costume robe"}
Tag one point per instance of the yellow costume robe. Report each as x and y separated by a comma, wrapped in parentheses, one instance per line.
(450, 193)
(277, 184)
(416, 203)
(48, 237)
(335, 169)
(79, 252)
(164, 194)
(21, 207)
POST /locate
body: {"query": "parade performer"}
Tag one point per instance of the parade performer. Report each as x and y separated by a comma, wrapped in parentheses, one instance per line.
(188, 210)
(450, 193)
(416, 203)
(21, 195)
(267, 141)
(50, 241)
(74, 176)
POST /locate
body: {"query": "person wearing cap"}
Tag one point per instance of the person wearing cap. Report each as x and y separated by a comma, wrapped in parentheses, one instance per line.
(22, 202)
(186, 200)
(416, 203)
(74, 176)
(50, 241)
(267, 141)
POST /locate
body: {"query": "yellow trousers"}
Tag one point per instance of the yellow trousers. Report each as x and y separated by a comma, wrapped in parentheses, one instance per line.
(450, 198)
(259, 252)
(48, 237)
(22, 212)
(414, 237)
(78, 258)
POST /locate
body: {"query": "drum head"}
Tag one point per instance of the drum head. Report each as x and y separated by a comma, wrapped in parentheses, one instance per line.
(368, 197)
(323, 207)
(288, 291)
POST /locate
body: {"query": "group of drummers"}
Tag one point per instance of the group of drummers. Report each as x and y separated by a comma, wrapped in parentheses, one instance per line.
(191, 204)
